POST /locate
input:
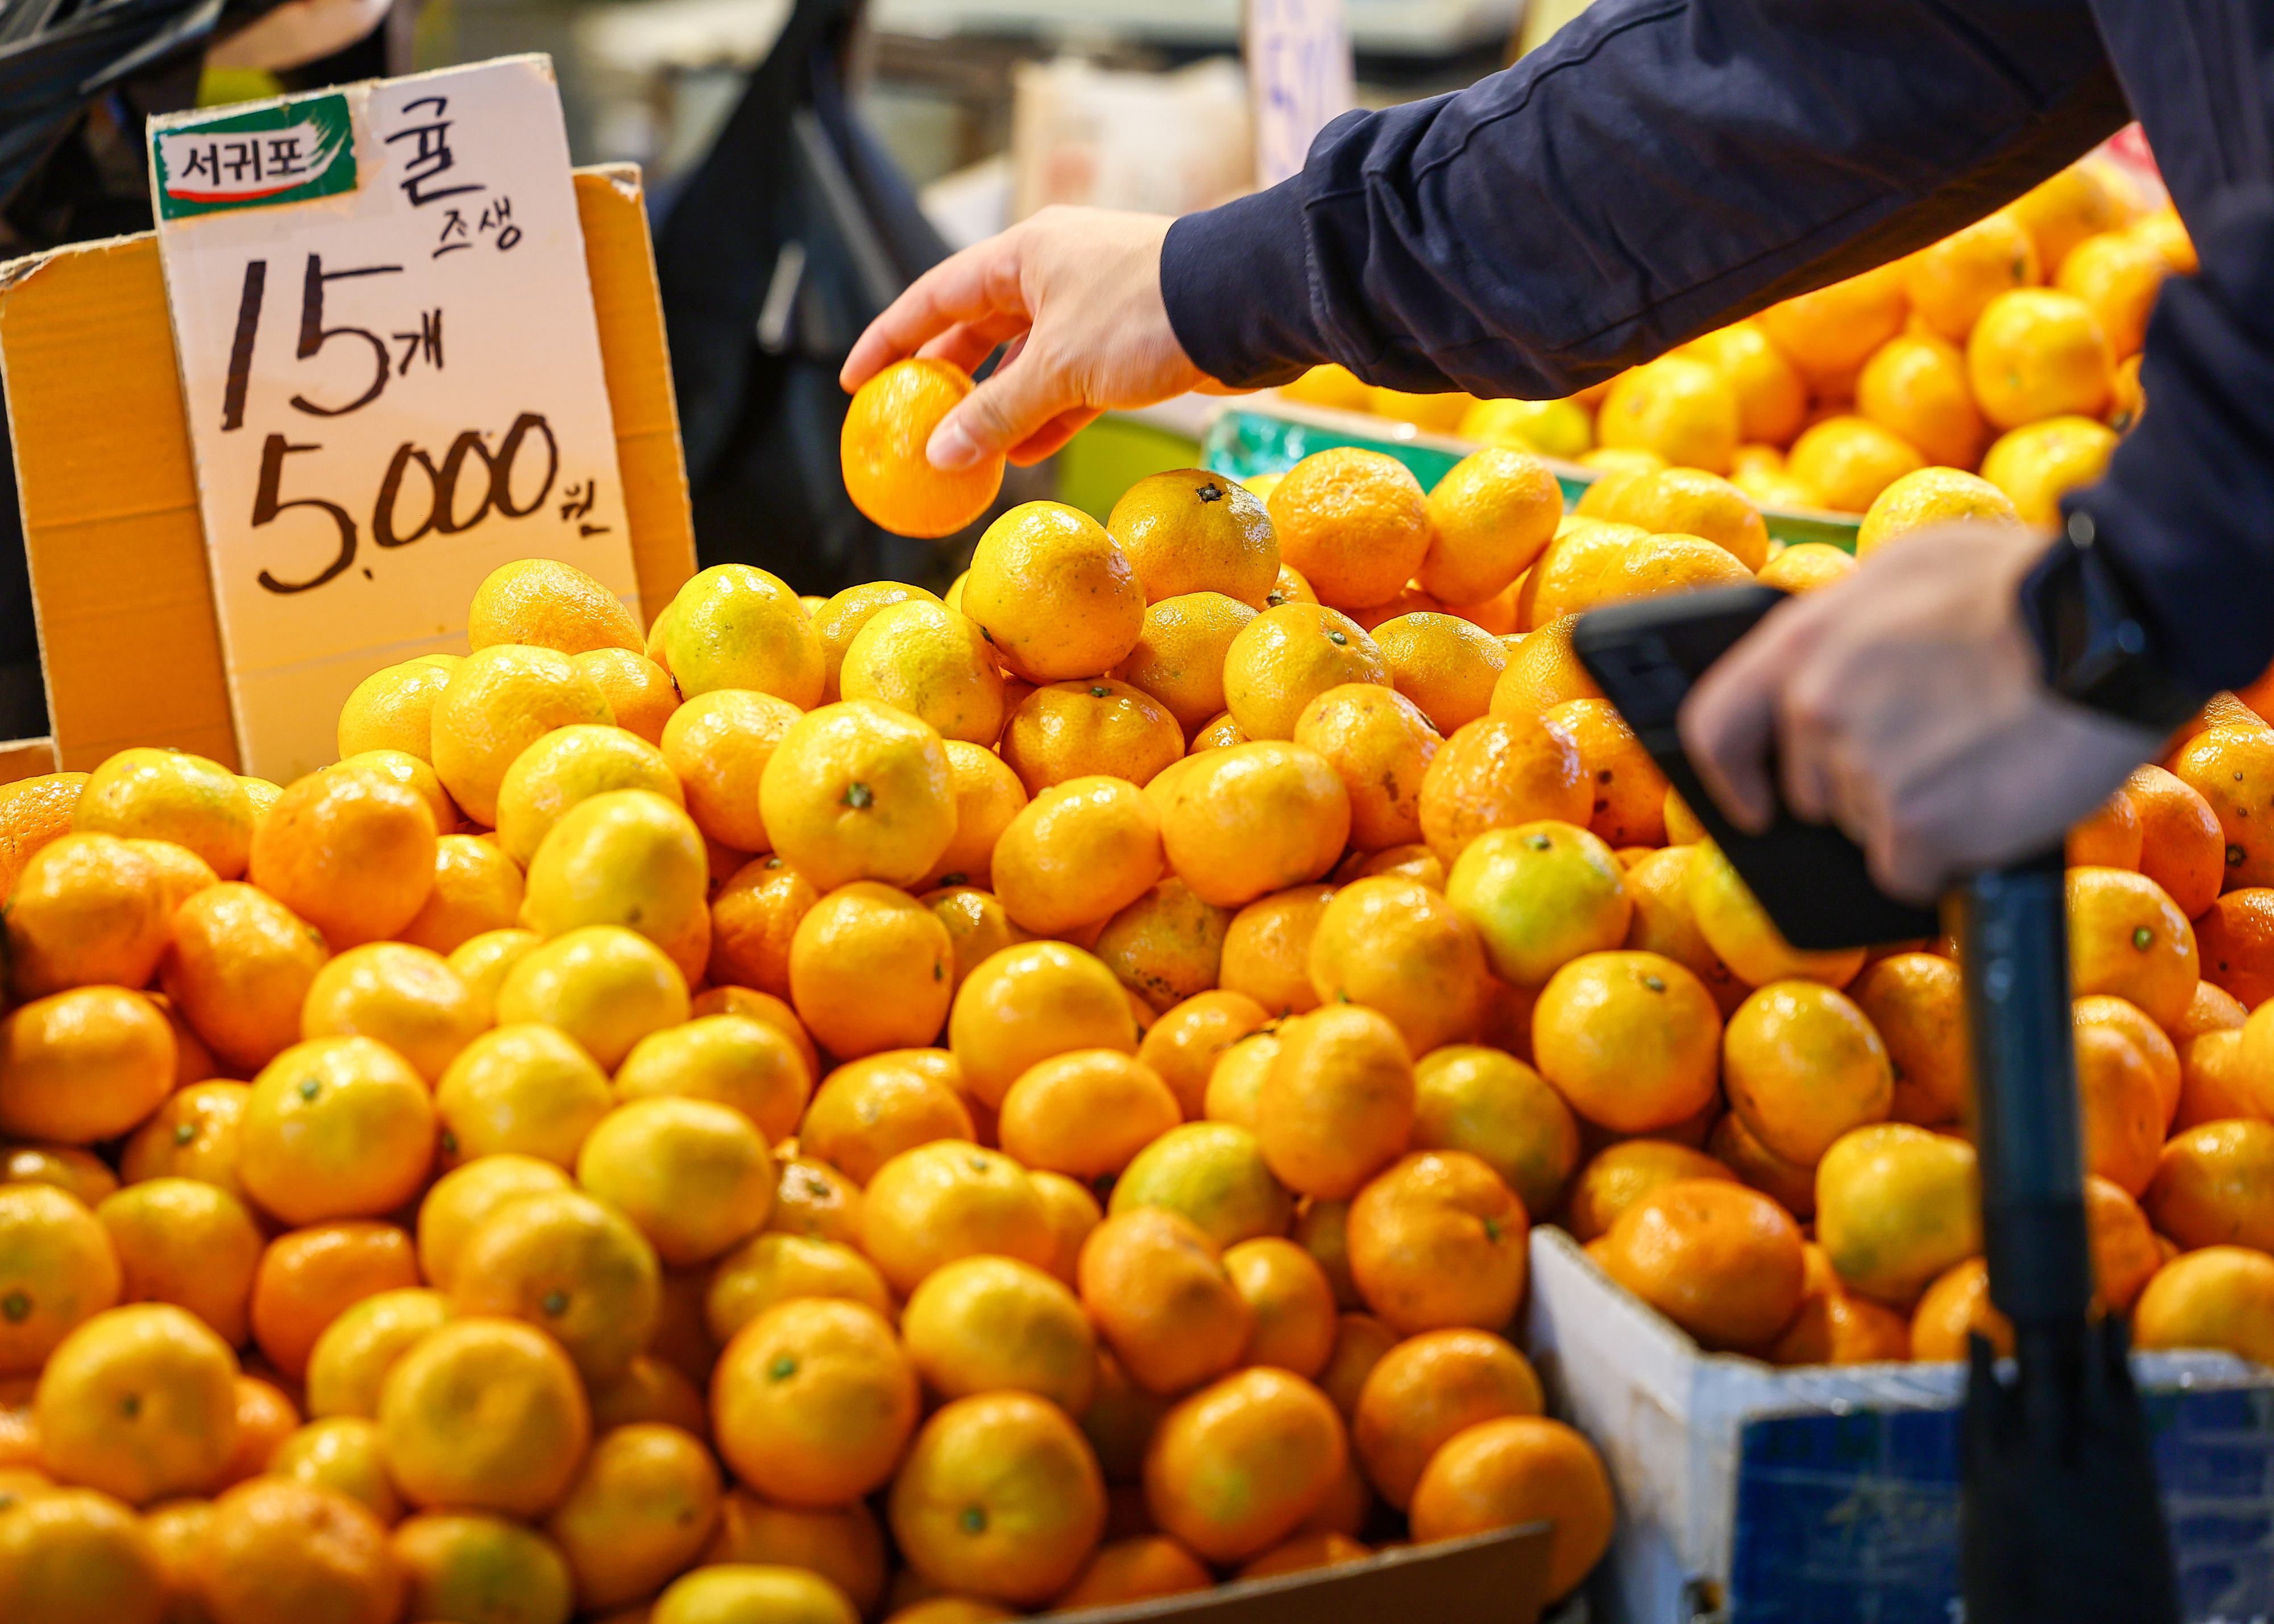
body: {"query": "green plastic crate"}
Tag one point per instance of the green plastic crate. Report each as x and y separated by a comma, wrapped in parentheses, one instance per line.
(1253, 438)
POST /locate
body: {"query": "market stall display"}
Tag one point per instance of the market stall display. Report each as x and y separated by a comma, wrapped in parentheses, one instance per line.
(1202, 1067)
(1078, 1061)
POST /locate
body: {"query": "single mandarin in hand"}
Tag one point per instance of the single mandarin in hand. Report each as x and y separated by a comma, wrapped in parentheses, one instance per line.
(882, 449)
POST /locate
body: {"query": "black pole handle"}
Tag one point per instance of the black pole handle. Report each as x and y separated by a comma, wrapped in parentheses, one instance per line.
(2060, 1521)
(2014, 931)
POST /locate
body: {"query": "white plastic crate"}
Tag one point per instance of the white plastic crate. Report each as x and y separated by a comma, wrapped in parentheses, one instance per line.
(1829, 1495)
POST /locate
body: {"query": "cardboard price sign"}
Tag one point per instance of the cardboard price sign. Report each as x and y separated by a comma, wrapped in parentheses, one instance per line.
(392, 375)
(1300, 77)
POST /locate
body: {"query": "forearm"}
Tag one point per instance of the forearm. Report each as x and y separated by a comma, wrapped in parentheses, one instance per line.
(1528, 237)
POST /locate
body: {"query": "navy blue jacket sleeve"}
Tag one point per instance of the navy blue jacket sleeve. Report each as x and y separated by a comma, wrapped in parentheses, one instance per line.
(1658, 168)
(1662, 167)
(2187, 505)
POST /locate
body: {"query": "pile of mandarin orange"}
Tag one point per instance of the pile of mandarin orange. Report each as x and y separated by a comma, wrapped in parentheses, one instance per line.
(931, 1108)
(2011, 348)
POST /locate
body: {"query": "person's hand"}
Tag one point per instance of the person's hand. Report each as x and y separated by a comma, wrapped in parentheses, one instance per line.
(1906, 704)
(1076, 292)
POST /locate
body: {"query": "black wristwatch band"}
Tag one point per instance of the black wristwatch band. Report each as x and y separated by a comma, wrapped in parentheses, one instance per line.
(2097, 645)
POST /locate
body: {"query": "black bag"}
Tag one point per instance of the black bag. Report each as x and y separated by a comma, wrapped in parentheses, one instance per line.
(77, 80)
(794, 234)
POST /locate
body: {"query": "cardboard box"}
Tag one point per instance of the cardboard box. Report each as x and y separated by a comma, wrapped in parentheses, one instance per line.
(128, 639)
(1488, 1579)
(1753, 1495)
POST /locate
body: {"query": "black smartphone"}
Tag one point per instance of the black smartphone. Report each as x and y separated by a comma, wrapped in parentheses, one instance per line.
(1810, 877)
